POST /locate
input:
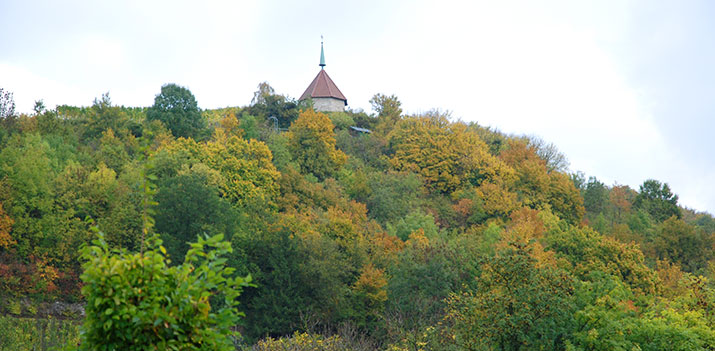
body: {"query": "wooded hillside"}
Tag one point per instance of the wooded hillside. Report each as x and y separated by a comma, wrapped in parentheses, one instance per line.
(428, 233)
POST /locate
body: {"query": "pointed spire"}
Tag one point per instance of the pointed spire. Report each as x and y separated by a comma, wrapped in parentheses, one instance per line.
(322, 55)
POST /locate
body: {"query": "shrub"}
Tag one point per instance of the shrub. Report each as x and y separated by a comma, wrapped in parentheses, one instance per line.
(301, 342)
(20, 334)
(341, 120)
(135, 301)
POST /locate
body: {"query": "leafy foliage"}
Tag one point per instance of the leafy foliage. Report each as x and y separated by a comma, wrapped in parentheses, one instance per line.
(245, 171)
(5, 227)
(341, 120)
(26, 334)
(302, 342)
(426, 234)
(389, 196)
(446, 155)
(312, 144)
(425, 273)
(555, 160)
(134, 301)
(389, 111)
(657, 199)
(266, 103)
(518, 304)
(103, 116)
(683, 244)
(537, 188)
(176, 107)
(608, 319)
(589, 251)
(188, 205)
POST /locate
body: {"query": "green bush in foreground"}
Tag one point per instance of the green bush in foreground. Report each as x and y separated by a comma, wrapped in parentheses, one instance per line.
(135, 301)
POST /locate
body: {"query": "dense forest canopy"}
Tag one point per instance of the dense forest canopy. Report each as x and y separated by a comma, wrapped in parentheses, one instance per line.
(428, 233)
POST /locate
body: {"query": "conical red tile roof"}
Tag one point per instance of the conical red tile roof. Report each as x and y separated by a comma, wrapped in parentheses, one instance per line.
(323, 86)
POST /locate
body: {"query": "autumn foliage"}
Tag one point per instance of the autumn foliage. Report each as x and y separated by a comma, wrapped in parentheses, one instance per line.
(312, 144)
(427, 233)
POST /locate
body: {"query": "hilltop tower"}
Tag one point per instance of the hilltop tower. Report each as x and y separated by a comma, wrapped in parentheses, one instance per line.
(325, 94)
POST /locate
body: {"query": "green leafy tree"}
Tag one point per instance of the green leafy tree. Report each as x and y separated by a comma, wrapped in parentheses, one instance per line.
(595, 197)
(301, 278)
(392, 195)
(656, 198)
(26, 167)
(588, 251)
(579, 180)
(341, 120)
(266, 103)
(519, 303)
(609, 317)
(113, 201)
(250, 126)
(362, 119)
(112, 151)
(425, 273)
(49, 123)
(135, 301)
(176, 107)
(102, 116)
(684, 244)
(415, 220)
(188, 204)
(122, 224)
(496, 141)
(275, 305)
(368, 148)
(39, 107)
(389, 111)
(278, 144)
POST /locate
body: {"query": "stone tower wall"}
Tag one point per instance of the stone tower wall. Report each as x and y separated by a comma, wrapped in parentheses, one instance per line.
(328, 104)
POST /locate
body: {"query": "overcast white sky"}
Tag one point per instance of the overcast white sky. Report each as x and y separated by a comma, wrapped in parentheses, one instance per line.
(626, 89)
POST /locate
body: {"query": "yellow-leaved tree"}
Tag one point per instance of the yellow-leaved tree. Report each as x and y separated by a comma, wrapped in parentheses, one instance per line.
(540, 189)
(5, 226)
(312, 144)
(245, 168)
(446, 154)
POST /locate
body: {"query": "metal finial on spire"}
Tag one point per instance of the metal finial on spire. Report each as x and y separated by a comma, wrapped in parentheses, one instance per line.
(322, 55)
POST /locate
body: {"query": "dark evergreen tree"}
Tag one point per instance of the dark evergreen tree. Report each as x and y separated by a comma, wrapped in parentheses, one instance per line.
(189, 206)
(176, 107)
(656, 198)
